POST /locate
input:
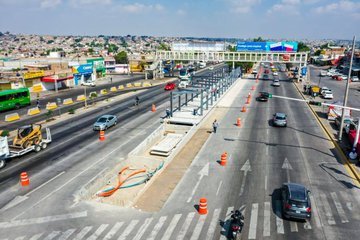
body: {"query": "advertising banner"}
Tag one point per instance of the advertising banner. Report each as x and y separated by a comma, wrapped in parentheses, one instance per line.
(83, 69)
(267, 46)
(37, 74)
(251, 46)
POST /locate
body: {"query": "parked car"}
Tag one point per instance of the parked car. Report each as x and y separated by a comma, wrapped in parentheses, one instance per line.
(328, 94)
(323, 89)
(104, 122)
(275, 74)
(265, 77)
(323, 73)
(354, 78)
(347, 121)
(280, 120)
(211, 68)
(169, 86)
(342, 77)
(88, 83)
(295, 201)
(276, 83)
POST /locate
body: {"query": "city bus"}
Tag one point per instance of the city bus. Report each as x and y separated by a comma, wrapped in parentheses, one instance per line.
(14, 99)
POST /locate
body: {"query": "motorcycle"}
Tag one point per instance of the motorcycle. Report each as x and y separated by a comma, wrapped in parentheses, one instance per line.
(236, 224)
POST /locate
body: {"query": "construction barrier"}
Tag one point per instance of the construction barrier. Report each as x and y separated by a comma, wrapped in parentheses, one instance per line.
(121, 87)
(12, 117)
(33, 111)
(24, 179)
(238, 122)
(102, 136)
(37, 88)
(51, 106)
(103, 92)
(68, 101)
(146, 84)
(203, 206)
(223, 159)
(80, 98)
(113, 89)
(153, 108)
(129, 85)
(137, 84)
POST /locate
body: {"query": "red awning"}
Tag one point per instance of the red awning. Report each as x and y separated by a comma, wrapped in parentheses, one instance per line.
(52, 79)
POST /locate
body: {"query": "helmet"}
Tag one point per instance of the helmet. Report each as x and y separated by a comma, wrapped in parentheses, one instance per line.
(237, 212)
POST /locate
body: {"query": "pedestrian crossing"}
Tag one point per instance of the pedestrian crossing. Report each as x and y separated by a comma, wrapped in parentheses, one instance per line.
(261, 220)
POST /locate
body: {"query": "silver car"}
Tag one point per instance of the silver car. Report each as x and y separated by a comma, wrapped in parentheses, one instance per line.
(104, 122)
(280, 120)
(276, 83)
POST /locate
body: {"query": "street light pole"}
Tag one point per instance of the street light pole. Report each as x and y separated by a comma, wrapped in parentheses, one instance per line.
(347, 90)
(85, 96)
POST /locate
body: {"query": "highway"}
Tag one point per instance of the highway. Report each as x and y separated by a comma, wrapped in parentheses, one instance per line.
(261, 158)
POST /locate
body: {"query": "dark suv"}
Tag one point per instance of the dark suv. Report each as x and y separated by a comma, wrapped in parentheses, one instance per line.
(295, 201)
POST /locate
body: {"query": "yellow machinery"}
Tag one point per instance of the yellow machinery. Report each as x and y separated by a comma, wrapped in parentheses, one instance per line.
(27, 136)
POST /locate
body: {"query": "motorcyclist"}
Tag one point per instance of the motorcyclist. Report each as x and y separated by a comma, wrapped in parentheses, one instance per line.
(137, 101)
(236, 224)
(237, 215)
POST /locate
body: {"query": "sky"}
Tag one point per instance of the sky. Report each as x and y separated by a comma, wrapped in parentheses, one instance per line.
(277, 19)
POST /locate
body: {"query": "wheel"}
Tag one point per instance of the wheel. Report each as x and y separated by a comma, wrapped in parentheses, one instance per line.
(37, 148)
(44, 145)
(36, 140)
(115, 123)
(2, 163)
(26, 144)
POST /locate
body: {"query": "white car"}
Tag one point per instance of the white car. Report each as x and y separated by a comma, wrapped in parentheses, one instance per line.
(211, 68)
(323, 89)
(89, 84)
(275, 74)
(323, 73)
(354, 78)
(328, 94)
(276, 83)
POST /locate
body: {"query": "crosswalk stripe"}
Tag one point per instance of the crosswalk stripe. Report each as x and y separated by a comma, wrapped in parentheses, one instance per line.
(223, 237)
(143, 228)
(113, 230)
(198, 228)
(279, 221)
(52, 235)
(339, 208)
(328, 214)
(67, 234)
(20, 238)
(185, 226)
(307, 225)
(157, 228)
(315, 212)
(36, 236)
(253, 221)
(266, 231)
(98, 232)
(83, 232)
(293, 226)
(356, 194)
(344, 195)
(171, 227)
(128, 229)
(213, 224)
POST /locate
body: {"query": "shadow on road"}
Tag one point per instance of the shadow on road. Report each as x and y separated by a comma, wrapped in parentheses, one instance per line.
(331, 171)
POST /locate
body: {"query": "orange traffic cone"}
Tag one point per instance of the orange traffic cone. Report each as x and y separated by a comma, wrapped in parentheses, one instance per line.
(153, 108)
(102, 135)
(238, 122)
(248, 100)
(223, 159)
(24, 179)
(243, 109)
(203, 206)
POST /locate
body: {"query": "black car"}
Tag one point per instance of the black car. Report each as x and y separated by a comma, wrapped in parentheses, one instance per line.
(262, 98)
(295, 201)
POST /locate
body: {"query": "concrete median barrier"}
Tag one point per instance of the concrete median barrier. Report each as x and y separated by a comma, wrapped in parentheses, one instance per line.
(121, 87)
(51, 106)
(12, 117)
(146, 84)
(80, 98)
(113, 89)
(68, 101)
(103, 92)
(137, 84)
(129, 85)
(93, 95)
(33, 111)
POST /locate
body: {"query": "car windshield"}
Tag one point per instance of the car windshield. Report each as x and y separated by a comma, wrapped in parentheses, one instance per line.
(280, 117)
(101, 120)
(182, 72)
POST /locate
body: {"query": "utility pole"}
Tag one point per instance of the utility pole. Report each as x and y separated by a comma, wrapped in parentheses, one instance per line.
(347, 90)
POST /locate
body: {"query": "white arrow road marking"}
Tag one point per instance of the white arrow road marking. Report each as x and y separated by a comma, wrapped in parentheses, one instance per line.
(23, 222)
(286, 165)
(246, 168)
(203, 172)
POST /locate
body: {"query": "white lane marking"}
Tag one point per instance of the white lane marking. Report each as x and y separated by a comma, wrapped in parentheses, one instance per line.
(339, 208)
(48, 181)
(198, 227)
(67, 234)
(213, 224)
(228, 212)
(20, 238)
(52, 235)
(171, 227)
(143, 228)
(245, 168)
(315, 212)
(203, 172)
(253, 221)
(128, 229)
(23, 222)
(279, 221)
(217, 192)
(266, 182)
(185, 226)
(36, 236)
(307, 225)
(293, 226)
(83, 232)
(98, 232)
(157, 228)
(113, 230)
(266, 231)
(327, 208)
(77, 175)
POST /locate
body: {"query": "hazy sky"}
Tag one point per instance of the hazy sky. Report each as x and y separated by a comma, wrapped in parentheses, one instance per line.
(291, 19)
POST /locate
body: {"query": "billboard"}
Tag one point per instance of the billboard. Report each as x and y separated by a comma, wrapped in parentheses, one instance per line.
(83, 69)
(267, 46)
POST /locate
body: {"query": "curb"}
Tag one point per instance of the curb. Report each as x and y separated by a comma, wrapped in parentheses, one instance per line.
(337, 147)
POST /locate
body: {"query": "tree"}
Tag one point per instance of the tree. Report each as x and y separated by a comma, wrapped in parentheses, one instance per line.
(258, 39)
(121, 58)
(163, 46)
(91, 51)
(318, 52)
(302, 47)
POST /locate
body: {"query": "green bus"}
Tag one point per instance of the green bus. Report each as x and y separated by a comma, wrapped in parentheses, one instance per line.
(14, 99)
